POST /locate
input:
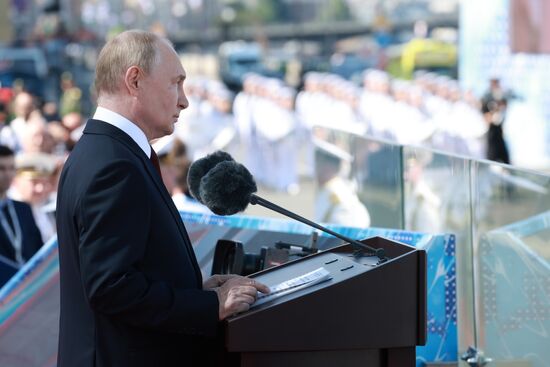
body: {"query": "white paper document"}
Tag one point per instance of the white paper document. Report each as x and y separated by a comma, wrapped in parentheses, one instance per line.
(303, 281)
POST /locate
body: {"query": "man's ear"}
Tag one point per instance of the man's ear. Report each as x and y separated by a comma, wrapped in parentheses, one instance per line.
(132, 78)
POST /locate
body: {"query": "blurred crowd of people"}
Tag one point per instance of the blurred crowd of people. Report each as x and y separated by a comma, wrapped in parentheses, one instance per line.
(40, 137)
(270, 127)
(271, 121)
(430, 110)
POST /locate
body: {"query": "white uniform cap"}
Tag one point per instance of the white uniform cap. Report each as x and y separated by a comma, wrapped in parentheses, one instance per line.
(398, 85)
(380, 76)
(312, 76)
(35, 164)
(286, 92)
(223, 93)
(332, 150)
(215, 85)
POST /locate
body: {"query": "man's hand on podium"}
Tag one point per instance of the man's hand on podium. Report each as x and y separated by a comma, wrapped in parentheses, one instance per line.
(217, 280)
(235, 293)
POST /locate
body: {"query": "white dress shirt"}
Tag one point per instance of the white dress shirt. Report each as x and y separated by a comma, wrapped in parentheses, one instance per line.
(121, 122)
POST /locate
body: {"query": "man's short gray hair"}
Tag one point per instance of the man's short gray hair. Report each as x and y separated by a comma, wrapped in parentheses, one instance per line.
(130, 48)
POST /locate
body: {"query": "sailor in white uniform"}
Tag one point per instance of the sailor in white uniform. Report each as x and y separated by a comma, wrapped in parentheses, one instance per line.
(243, 106)
(336, 199)
(276, 126)
(376, 104)
(218, 131)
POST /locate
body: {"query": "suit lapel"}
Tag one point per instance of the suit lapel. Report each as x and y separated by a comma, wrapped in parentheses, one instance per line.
(103, 128)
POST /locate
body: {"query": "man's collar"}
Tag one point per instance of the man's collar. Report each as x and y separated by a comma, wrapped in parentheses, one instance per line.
(121, 122)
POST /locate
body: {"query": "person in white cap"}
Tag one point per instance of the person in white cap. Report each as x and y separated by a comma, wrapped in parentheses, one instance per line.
(308, 103)
(336, 200)
(218, 127)
(423, 206)
(266, 131)
(34, 184)
(19, 235)
(282, 152)
(376, 103)
(242, 112)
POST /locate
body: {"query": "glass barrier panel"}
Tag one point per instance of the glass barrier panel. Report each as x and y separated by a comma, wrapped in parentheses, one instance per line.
(368, 189)
(511, 227)
(437, 199)
(378, 171)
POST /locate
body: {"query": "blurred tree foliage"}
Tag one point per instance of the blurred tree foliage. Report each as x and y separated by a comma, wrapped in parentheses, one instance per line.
(260, 12)
(250, 12)
(334, 10)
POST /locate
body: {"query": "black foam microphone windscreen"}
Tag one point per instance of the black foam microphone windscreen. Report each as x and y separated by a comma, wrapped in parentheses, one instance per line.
(226, 188)
(200, 168)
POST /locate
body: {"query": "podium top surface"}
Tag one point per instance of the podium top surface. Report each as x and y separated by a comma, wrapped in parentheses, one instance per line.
(339, 261)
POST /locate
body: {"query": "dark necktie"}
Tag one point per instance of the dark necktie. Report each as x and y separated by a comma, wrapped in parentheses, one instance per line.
(155, 160)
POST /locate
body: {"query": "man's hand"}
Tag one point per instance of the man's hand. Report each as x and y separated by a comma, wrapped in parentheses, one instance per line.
(217, 280)
(236, 294)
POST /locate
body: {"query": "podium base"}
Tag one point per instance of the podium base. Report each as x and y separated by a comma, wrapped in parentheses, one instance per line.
(394, 357)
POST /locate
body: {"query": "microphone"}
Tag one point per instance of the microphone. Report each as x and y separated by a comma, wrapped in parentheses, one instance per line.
(200, 168)
(227, 187)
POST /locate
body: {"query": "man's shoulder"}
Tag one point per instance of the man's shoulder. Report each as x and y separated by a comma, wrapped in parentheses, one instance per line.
(91, 147)
(21, 206)
(94, 155)
(102, 139)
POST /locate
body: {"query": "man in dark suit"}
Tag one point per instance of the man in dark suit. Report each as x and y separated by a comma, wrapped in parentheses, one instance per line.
(19, 235)
(131, 288)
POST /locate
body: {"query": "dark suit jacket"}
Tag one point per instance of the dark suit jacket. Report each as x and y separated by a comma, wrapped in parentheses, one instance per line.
(131, 288)
(32, 240)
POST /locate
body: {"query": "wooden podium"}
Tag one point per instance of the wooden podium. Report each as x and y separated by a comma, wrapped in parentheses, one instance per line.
(367, 314)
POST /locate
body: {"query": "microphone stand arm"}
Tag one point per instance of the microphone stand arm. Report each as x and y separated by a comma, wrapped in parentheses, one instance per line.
(255, 199)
